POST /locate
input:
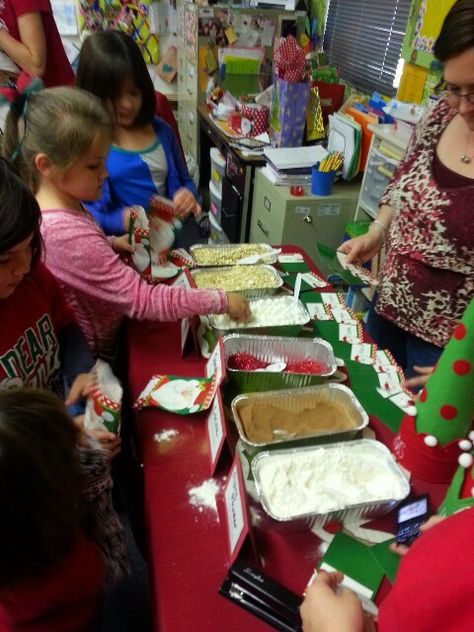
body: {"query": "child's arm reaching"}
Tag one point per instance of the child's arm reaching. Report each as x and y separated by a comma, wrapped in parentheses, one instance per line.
(80, 256)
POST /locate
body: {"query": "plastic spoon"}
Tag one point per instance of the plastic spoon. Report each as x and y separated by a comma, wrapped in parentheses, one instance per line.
(276, 367)
(296, 292)
(256, 258)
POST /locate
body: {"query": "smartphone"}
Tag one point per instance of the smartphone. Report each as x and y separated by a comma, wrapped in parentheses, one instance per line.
(411, 515)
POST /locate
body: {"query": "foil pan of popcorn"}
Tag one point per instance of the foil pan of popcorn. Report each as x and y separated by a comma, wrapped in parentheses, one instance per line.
(231, 254)
(251, 281)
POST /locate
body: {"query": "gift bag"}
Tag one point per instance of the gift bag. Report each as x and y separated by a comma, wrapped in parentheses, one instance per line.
(254, 120)
(168, 66)
(139, 238)
(289, 105)
(164, 227)
(105, 401)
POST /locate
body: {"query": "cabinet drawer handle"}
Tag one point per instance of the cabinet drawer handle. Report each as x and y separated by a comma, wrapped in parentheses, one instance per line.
(267, 203)
(262, 227)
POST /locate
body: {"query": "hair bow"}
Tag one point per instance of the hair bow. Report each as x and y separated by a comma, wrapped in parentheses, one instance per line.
(17, 95)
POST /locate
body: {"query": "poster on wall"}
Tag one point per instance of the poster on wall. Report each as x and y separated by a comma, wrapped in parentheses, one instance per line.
(424, 26)
(133, 18)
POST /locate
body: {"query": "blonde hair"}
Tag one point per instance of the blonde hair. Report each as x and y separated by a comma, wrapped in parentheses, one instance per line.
(59, 122)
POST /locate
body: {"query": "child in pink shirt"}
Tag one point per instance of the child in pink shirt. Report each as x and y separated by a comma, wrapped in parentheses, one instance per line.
(62, 154)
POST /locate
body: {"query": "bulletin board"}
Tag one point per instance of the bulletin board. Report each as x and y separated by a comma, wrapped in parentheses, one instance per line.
(132, 17)
(424, 26)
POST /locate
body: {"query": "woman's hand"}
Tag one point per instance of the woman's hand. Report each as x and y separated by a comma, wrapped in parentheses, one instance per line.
(329, 608)
(238, 307)
(121, 245)
(402, 549)
(363, 248)
(185, 203)
(424, 373)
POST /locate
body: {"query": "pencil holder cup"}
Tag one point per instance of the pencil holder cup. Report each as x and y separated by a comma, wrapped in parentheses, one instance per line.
(321, 181)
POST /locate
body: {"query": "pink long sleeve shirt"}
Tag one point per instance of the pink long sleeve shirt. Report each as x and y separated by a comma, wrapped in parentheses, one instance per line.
(102, 289)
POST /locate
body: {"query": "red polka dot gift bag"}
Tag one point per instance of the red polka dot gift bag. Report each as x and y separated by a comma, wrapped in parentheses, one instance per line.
(433, 444)
(290, 94)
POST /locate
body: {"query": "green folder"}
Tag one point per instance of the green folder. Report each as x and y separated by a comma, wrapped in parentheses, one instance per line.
(329, 258)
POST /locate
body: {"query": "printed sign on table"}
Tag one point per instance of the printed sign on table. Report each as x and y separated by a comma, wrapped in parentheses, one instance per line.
(216, 363)
(235, 509)
(216, 431)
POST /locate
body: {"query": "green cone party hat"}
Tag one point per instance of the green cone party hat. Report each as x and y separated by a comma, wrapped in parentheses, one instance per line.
(430, 443)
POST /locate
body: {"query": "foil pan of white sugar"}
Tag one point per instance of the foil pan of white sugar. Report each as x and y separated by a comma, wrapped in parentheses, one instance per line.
(271, 323)
(206, 255)
(312, 415)
(309, 486)
(273, 349)
(254, 281)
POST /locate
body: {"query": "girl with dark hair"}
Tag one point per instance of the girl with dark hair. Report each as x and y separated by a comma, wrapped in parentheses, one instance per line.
(62, 541)
(425, 218)
(145, 158)
(40, 343)
(63, 153)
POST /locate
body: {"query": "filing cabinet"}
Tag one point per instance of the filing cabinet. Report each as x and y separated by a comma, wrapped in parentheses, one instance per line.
(280, 218)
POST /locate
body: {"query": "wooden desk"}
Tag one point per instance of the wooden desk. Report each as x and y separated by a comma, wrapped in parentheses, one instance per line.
(237, 189)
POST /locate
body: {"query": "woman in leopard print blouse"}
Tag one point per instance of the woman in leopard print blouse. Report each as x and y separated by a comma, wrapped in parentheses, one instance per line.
(426, 217)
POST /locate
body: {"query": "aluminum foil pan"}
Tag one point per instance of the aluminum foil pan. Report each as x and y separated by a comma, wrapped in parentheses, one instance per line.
(277, 349)
(264, 330)
(294, 402)
(258, 290)
(368, 510)
(207, 255)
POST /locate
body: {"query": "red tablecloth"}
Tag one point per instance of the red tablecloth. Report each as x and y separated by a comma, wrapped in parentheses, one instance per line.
(187, 546)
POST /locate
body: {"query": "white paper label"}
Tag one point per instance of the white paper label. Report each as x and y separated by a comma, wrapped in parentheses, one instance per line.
(235, 514)
(348, 333)
(331, 299)
(215, 431)
(317, 311)
(314, 281)
(294, 257)
(343, 315)
(362, 353)
(182, 280)
(185, 327)
(215, 363)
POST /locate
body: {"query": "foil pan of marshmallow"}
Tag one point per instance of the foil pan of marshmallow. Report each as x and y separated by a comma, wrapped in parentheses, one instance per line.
(232, 254)
(312, 485)
(266, 363)
(316, 414)
(274, 316)
(251, 281)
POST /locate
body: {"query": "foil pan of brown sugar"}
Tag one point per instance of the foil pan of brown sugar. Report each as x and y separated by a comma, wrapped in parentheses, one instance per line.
(310, 415)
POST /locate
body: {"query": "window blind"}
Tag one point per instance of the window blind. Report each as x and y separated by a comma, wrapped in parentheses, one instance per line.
(363, 39)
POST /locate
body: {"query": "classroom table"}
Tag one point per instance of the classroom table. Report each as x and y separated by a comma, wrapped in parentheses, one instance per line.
(187, 545)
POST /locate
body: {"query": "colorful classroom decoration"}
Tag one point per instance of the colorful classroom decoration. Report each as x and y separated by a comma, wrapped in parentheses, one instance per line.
(432, 444)
(117, 15)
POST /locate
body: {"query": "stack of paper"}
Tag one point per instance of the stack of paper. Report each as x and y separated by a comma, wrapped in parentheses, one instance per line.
(287, 166)
(345, 136)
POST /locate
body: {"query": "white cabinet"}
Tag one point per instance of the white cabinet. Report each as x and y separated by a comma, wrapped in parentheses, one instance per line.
(386, 150)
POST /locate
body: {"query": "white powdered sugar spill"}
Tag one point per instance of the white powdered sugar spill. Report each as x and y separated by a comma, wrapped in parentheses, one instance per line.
(164, 435)
(204, 495)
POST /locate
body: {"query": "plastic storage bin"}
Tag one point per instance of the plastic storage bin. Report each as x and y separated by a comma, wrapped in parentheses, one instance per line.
(217, 169)
(215, 202)
(217, 234)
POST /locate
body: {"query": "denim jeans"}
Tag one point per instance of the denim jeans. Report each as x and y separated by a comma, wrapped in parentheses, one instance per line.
(407, 349)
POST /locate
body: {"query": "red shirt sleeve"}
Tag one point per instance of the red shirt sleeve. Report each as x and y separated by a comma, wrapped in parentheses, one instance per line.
(60, 311)
(21, 7)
